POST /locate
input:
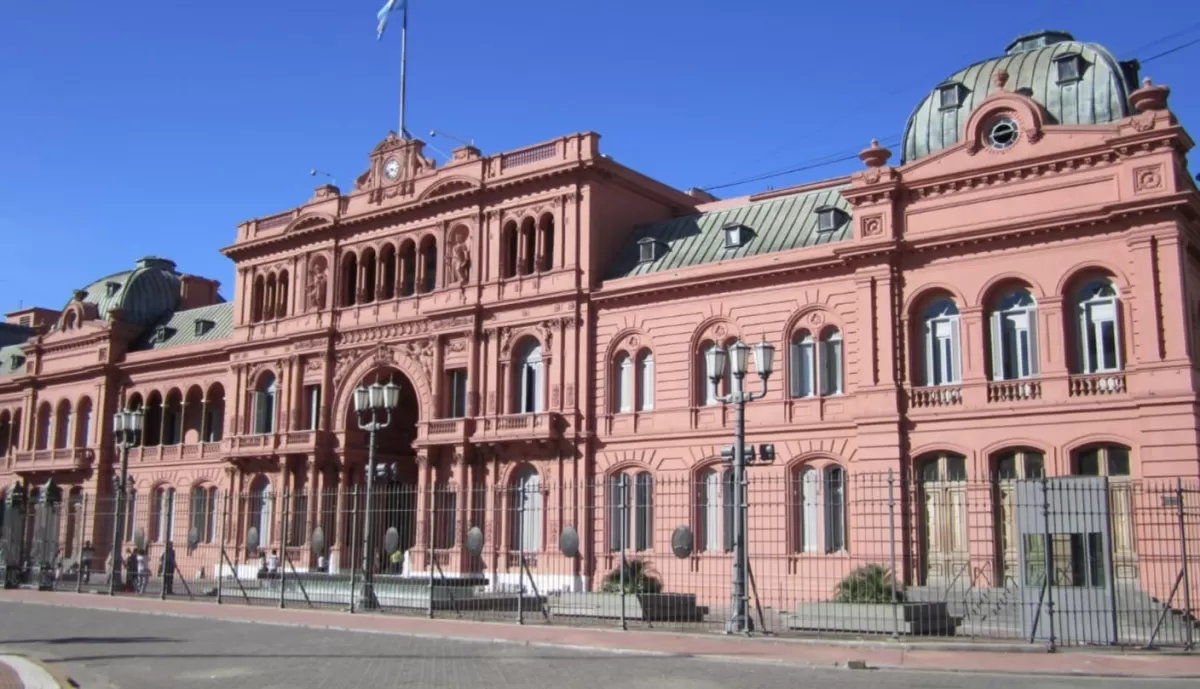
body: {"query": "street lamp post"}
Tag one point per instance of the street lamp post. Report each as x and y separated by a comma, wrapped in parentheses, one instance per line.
(736, 358)
(127, 426)
(370, 403)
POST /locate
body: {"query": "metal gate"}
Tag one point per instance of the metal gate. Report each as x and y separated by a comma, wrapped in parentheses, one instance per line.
(12, 536)
(29, 535)
(1066, 560)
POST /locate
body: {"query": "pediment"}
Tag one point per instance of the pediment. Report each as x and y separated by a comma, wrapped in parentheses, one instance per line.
(309, 221)
(449, 187)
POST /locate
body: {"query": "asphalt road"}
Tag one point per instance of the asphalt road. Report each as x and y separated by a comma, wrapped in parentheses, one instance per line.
(125, 650)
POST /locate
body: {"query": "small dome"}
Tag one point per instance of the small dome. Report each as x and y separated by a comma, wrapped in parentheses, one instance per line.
(1077, 83)
(146, 293)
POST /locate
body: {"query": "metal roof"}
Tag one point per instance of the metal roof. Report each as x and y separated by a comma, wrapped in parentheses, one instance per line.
(1101, 94)
(776, 224)
(180, 329)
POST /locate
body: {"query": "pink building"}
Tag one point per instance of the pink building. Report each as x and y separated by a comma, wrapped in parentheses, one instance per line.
(1015, 293)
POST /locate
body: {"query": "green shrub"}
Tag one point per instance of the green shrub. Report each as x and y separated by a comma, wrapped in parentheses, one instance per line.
(637, 579)
(867, 584)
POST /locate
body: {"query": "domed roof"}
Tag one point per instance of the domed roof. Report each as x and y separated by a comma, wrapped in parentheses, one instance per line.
(1077, 83)
(145, 294)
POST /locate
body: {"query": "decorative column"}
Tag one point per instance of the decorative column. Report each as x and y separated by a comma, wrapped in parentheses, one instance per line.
(424, 484)
(341, 538)
(462, 508)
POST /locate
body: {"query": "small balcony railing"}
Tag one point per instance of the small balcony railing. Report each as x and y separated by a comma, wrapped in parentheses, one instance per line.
(62, 459)
(531, 426)
(1000, 391)
(1097, 384)
(934, 396)
(445, 431)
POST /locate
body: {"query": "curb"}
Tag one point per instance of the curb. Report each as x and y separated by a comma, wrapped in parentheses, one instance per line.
(52, 677)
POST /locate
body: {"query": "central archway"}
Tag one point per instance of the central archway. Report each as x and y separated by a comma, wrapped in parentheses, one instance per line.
(394, 498)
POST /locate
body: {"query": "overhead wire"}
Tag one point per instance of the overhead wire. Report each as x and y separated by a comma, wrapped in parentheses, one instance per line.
(842, 157)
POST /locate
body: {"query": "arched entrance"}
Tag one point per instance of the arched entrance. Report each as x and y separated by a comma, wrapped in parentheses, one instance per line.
(945, 548)
(394, 493)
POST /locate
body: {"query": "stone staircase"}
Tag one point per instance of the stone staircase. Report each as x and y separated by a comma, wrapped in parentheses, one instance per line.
(996, 613)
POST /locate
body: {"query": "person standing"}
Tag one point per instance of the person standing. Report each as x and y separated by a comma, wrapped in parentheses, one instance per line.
(131, 570)
(166, 563)
(85, 562)
(143, 571)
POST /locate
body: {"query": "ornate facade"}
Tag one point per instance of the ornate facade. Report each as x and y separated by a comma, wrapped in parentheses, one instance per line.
(1017, 293)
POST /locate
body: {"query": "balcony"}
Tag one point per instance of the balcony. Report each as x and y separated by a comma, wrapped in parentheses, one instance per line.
(1097, 384)
(1003, 391)
(175, 453)
(535, 426)
(445, 431)
(935, 396)
(63, 459)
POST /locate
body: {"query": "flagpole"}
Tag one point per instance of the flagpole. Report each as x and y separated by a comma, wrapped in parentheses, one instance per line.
(403, 68)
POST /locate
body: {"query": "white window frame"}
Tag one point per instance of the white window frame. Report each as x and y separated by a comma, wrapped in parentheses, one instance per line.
(833, 486)
(265, 408)
(530, 379)
(526, 533)
(623, 379)
(943, 348)
(809, 499)
(1098, 305)
(711, 393)
(831, 358)
(1014, 330)
(645, 373)
(802, 365)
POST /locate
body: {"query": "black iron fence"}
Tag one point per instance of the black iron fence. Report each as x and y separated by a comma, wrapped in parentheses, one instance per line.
(1058, 561)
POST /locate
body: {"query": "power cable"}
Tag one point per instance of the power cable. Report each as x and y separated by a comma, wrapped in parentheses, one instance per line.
(834, 158)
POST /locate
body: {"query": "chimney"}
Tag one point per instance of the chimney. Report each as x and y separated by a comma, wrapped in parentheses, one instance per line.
(195, 291)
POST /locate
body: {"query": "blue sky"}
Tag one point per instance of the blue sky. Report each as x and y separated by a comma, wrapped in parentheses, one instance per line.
(134, 127)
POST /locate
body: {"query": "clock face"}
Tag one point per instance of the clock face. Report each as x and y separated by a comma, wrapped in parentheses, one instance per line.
(391, 169)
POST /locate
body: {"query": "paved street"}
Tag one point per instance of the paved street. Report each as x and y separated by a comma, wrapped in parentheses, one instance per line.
(144, 651)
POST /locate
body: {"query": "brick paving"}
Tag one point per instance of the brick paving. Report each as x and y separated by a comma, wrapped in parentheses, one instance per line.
(203, 645)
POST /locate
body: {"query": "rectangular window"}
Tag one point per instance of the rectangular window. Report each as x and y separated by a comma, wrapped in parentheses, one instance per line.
(213, 425)
(831, 367)
(625, 384)
(456, 393)
(312, 407)
(835, 510)
(618, 507)
(646, 382)
(802, 368)
(942, 352)
(1100, 337)
(644, 516)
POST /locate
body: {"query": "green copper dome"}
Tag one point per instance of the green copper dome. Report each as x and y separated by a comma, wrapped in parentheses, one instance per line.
(1077, 83)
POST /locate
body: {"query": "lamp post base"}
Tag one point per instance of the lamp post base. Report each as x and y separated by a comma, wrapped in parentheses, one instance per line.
(366, 597)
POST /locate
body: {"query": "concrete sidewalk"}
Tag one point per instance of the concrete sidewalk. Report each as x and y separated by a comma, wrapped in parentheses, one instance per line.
(954, 657)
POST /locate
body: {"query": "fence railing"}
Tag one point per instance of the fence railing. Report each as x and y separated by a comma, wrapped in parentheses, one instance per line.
(1067, 561)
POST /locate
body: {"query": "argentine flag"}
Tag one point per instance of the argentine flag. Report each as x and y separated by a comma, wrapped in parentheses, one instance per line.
(388, 8)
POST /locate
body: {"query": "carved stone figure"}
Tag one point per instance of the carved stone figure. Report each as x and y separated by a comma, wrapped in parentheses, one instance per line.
(316, 285)
(461, 261)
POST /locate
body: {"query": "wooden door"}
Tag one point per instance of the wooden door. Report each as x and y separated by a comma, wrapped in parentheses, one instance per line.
(1007, 468)
(945, 546)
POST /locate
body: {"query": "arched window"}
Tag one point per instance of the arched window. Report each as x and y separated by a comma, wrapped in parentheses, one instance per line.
(387, 270)
(366, 265)
(6, 435)
(262, 506)
(256, 299)
(806, 488)
(204, 513)
(630, 511)
(529, 377)
(526, 536)
(349, 279)
(408, 268)
(715, 510)
(801, 364)
(834, 486)
(1099, 339)
(1014, 336)
(509, 249)
(943, 355)
(83, 424)
(429, 264)
(546, 227)
(131, 513)
(645, 380)
(62, 425)
(264, 405)
(528, 246)
(623, 383)
(281, 302)
(45, 418)
(162, 524)
(268, 308)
